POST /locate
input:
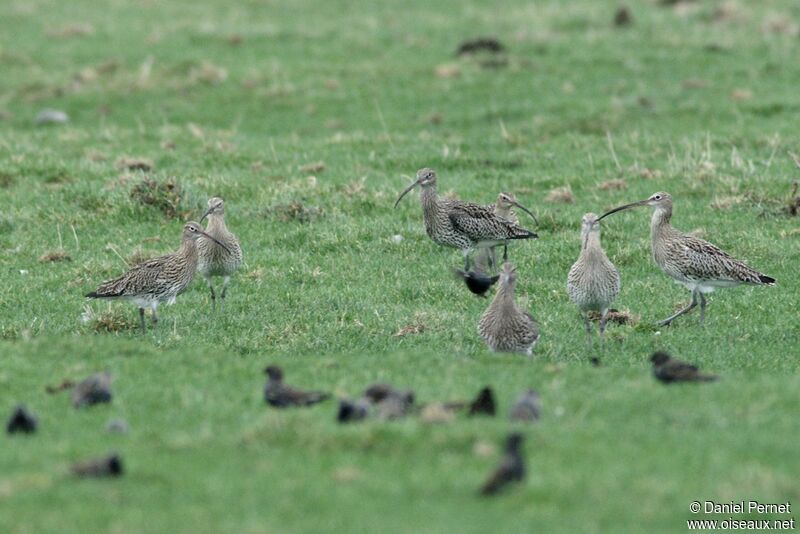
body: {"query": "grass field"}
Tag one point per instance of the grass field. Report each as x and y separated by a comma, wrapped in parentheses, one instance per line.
(308, 118)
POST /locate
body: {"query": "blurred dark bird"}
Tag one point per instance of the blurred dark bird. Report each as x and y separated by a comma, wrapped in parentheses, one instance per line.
(389, 402)
(484, 403)
(281, 395)
(527, 407)
(668, 369)
(595, 361)
(623, 17)
(512, 467)
(477, 281)
(107, 466)
(93, 390)
(21, 420)
(351, 411)
(487, 44)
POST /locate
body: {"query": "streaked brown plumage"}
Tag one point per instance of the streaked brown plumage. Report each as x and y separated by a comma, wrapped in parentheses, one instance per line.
(689, 260)
(668, 370)
(213, 259)
(504, 207)
(504, 326)
(459, 224)
(511, 469)
(161, 279)
(593, 282)
(281, 395)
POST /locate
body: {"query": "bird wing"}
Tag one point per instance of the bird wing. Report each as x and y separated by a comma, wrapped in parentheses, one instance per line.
(702, 260)
(480, 223)
(681, 370)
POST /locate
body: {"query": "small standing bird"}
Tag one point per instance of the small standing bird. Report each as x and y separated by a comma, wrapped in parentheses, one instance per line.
(462, 225)
(691, 261)
(668, 369)
(160, 279)
(215, 259)
(503, 326)
(21, 420)
(527, 407)
(281, 395)
(477, 281)
(593, 281)
(511, 469)
(95, 389)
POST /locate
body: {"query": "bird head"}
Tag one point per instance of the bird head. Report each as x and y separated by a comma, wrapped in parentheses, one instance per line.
(192, 231)
(660, 357)
(660, 201)
(505, 201)
(425, 178)
(274, 372)
(216, 206)
(508, 275)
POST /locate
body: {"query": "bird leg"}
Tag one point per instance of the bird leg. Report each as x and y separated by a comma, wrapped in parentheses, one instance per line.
(213, 295)
(588, 324)
(603, 322)
(702, 307)
(668, 320)
(154, 317)
(505, 251)
(225, 282)
(141, 320)
(466, 261)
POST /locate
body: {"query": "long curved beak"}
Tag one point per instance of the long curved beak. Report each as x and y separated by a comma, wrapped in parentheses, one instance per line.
(404, 193)
(205, 214)
(526, 210)
(215, 241)
(620, 208)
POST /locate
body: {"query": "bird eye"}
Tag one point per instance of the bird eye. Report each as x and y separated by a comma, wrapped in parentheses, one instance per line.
(657, 197)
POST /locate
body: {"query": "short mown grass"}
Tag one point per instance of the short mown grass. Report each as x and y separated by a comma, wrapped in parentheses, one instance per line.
(308, 118)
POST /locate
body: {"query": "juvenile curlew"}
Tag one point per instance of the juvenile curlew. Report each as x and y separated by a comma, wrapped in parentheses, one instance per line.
(459, 224)
(503, 326)
(213, 259)
(693, 262)
(511, 469)
(157, 280)
(668, 369)
(593, 281)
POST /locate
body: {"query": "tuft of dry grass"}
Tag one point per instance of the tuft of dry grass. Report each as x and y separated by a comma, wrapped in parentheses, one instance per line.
(77, 29)
(55, 256)
(447, 71)
(616, 184)
(113, 320)
(295, 211)
(617, 316)
(135, 164)
(560, 195)
(164, 196)
(313, 168)
(416, 327)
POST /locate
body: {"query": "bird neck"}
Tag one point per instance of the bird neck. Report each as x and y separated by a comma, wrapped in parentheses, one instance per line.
(216, 223)
(591, 245)
(505, 296)
(188, 250)
(429, 199)
(659, 224)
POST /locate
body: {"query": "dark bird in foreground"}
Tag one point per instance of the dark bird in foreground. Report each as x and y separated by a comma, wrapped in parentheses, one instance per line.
(281, 395)
(512, 467)
(527, 407)
(477, 281)
(351, 411)
(389, 402)
(94, 390)
(160, 279)
(21, 420)
(484, 403)
(668, 369)
(107, 466)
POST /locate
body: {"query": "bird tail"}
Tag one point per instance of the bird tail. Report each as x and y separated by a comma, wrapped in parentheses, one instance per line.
(707, 378)
(316, 397)
(521, 233)
(766, 279)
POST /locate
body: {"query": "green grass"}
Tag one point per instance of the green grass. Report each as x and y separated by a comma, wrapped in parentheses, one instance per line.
(699, 100)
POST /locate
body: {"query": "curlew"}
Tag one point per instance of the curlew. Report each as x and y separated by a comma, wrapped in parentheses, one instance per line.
(593, 281)
(157, 280)
(504, 207)
(668, 370)
(218, 260)
(511, 469)
(691, 261)
(503, 326)
(462, 225)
